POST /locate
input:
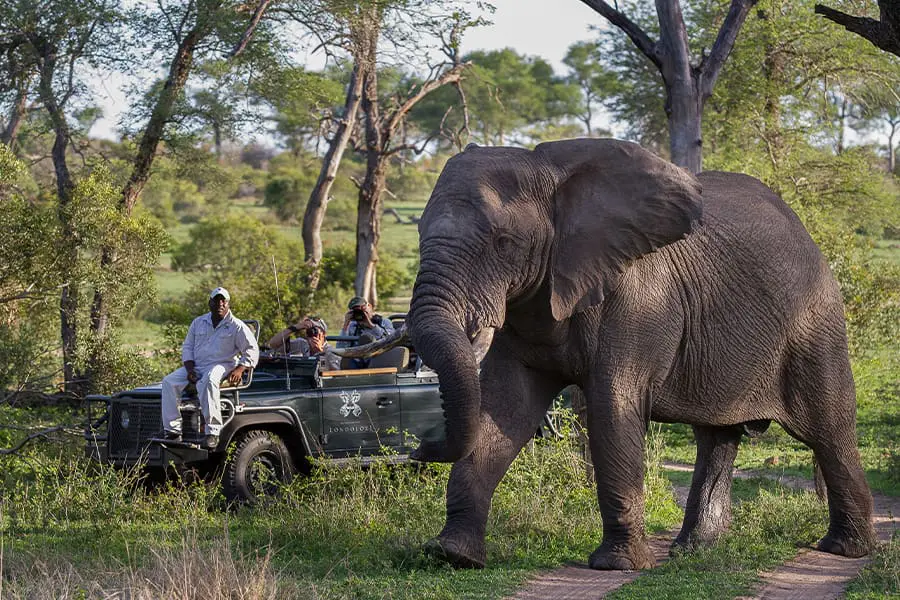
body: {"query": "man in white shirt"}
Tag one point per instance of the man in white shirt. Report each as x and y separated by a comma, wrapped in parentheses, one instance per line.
(217, 345)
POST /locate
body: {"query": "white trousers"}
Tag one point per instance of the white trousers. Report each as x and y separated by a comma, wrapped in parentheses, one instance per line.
(173, 385)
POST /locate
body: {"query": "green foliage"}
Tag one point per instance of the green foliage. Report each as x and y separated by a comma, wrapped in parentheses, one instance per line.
(767, 529)
(244, 255)
(287, 192)
(881, 577)
(505, 93)
(171, 198)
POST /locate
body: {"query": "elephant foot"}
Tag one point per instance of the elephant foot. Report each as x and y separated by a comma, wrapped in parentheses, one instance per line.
(458, 555)
(632, 556)
(689, 542)
(846, 546)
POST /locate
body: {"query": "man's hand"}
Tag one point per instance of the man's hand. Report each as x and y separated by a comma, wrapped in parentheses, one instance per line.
(235, 376)
(193, 376)
(316, 343)
(304, 323)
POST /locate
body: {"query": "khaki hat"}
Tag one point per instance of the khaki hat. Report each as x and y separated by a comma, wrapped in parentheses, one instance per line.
(357, 301)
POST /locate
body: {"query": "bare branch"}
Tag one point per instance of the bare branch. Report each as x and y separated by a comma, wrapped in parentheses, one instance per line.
(884, 33)
(712, 65)
(251, 28)
(451, 75)
(37, 434)
(631, 29)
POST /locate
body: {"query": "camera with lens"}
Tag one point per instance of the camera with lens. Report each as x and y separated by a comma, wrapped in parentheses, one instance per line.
(313, 331)
(359, 314)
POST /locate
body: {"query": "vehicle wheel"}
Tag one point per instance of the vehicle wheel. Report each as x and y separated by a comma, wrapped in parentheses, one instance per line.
(258, 465)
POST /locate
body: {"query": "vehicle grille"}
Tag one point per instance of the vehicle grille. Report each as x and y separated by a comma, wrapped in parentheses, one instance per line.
(144, 422)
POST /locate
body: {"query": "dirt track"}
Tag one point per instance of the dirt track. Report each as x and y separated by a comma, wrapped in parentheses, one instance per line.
(811, 574)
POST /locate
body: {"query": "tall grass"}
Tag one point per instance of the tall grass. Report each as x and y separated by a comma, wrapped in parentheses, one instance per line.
(80, 530)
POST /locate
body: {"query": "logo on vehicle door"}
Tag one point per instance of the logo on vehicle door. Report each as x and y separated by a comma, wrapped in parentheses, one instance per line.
(351, 404)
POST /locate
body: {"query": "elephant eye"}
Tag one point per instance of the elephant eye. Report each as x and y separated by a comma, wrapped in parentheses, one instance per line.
(507, 246)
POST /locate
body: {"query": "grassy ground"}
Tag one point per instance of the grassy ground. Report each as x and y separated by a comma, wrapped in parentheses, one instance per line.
(347, 533)
(70, 529)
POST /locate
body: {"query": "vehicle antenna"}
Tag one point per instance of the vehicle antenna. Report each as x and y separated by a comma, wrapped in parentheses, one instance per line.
(287, 369)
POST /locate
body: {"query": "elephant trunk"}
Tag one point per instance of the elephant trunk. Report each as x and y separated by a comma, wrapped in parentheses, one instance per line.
(441, 341)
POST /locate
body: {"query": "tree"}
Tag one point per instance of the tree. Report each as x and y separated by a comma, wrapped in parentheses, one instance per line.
(54, 39)
(688, 85)
(880, 105)
(18, 71)
(355, 26)
(214, 26)
(300, 101)
(883, 32)
(504, 97)
(588, 73)
(358, 28)
(382, 126)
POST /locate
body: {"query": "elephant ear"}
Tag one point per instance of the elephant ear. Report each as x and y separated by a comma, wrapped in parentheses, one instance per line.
(614, 203)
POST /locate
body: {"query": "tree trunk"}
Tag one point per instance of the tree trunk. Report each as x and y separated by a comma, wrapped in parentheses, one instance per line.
(892, 152)
(217, 142)
(179, 70)
(684, 101)
(318, 198)
(684, 111)
(579, 409)
(16, 115)
(68, 244)
(368, 220)
(842, 126)
(687, 86)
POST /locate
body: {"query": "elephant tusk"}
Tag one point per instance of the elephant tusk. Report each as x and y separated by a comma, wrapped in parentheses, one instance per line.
(482, 343)
(375, 348)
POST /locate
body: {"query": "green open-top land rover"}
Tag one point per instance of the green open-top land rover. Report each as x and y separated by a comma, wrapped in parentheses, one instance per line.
(285, 411)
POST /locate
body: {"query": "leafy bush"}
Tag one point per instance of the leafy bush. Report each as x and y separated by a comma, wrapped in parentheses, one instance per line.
(287, 192)
(244, 255)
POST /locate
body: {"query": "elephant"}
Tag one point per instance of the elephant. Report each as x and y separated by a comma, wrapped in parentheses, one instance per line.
(664, 295)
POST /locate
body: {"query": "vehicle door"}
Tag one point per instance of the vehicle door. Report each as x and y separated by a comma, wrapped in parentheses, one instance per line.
(361, 415)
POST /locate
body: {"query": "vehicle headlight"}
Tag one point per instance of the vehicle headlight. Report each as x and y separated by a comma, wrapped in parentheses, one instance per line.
(124, 419)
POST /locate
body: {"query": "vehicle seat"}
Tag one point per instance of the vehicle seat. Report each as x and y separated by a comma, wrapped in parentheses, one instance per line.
(395, 357)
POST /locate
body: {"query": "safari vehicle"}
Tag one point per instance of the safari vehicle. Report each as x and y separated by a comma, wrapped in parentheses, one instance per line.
(284, 411)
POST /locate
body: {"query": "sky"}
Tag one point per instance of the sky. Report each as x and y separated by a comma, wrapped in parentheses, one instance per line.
(544, 28)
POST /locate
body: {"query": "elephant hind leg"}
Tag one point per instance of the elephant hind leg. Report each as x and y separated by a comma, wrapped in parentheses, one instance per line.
(850, 529)
(708, 511)
(822, 415)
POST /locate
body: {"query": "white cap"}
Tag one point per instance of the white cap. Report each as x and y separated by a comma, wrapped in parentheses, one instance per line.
(220, 291)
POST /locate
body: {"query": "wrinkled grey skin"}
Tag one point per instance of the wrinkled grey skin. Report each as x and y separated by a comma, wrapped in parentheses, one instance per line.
(664, 296)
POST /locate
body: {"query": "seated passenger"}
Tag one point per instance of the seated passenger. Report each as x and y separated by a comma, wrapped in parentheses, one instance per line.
(217, 346)
(310, 343)
(361, 321)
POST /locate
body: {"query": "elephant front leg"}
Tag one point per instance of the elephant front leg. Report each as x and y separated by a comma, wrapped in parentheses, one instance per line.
(514, 400)
(617, 428)
(708, 511)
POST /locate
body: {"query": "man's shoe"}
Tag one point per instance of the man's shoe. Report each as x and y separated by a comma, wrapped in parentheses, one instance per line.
(211, 442)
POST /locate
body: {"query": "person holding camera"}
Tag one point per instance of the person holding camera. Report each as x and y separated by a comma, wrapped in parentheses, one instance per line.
(309, 341)
(361, 322)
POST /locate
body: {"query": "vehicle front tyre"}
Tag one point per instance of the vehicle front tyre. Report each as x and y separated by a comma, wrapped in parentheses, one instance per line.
(258, 465)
